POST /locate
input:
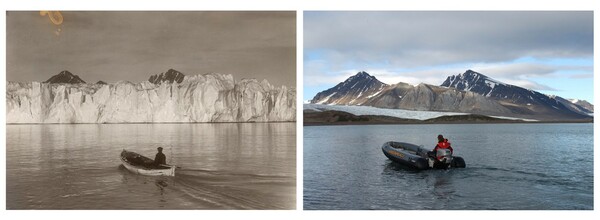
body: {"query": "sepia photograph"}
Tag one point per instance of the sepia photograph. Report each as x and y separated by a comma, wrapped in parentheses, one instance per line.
(149, 110)
(448, 110)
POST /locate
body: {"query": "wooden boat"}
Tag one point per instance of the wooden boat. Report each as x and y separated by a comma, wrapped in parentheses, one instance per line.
(139, 164)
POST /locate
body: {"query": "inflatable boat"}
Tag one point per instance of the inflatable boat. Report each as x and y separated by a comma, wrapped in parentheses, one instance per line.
(417, 157)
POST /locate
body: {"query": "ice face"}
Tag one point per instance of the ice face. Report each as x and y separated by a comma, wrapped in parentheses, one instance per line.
(200, 98)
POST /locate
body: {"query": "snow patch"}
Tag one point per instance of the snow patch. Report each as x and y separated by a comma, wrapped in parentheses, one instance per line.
(373, 95)
(399, 113)
(326, 98)
(368, 110)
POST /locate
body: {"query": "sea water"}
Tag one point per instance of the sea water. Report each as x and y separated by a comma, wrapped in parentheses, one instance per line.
(509, 167)
(223, 166)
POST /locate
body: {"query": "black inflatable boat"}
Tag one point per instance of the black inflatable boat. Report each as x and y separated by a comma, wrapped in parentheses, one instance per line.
(416, 156)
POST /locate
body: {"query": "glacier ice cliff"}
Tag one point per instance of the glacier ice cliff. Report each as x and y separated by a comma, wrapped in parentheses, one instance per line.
(199, 98)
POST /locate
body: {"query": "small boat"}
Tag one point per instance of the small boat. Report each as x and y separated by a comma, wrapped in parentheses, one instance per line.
(417, 157)
(139, 164)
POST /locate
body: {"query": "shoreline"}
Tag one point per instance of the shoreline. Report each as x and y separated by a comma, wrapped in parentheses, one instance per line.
(441, 123)
(243, 122)
(345, 118)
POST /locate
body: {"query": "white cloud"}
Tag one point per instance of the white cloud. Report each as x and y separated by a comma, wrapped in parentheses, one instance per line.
(519, 74)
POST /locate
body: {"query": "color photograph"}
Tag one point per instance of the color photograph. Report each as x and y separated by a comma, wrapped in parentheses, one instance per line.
(448, 110)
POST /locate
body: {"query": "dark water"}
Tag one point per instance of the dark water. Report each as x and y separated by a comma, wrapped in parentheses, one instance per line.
(509, 166)
(224, 166)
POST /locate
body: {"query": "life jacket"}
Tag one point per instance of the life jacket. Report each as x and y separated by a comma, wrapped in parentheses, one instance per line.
(443, 145)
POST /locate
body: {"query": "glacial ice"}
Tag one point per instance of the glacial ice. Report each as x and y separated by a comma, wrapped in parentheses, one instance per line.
(398, 113)
(199, 98)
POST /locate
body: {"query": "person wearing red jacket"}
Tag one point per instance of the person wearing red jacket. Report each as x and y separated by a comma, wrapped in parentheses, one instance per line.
(442, 144)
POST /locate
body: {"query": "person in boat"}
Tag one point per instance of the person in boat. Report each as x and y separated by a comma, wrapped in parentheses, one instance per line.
(160, 157)
(442, 144)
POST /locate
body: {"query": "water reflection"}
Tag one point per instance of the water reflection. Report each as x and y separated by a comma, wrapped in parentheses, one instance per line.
(227, 166)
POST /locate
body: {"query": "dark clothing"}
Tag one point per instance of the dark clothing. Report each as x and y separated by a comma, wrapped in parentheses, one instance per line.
(160, 158)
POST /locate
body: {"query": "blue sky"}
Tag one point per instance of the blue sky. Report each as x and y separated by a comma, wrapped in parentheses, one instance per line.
(551, 52)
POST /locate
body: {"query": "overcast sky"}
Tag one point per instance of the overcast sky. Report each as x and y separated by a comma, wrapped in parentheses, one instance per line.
(113, 46)
(551, 52)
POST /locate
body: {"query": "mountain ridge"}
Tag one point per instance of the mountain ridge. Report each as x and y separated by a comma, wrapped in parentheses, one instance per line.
(469, 92)
(516, 98)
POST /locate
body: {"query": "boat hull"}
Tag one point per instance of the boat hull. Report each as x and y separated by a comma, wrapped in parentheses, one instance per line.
(407, 155)
(139, 164)
(415, 156)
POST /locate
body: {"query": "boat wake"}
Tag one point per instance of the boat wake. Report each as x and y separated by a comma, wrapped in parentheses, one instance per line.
(215, 189)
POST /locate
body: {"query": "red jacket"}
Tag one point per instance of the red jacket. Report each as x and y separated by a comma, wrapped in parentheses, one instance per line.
(443, 145)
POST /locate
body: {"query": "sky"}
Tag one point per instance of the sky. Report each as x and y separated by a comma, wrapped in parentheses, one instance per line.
(131, 46)
(551, 52)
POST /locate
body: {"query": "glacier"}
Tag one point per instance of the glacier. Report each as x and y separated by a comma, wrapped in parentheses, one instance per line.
(398, 113)
(198, 98)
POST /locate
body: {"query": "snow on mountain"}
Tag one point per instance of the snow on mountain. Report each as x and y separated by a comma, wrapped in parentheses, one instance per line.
(398, 113)
(355, 90)
(580, 106)
(583, 104)
(199, 98)
(363, 89)
(518, 99)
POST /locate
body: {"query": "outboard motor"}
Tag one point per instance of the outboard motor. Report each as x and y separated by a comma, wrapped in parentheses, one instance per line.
(445, 158)
(445, 154)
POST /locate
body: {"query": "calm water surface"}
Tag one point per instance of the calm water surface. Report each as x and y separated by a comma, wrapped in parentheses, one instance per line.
(223, 166)
(509, 166)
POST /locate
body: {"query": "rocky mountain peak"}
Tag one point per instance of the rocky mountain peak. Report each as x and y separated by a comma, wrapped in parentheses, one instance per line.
(65, 77)
(530, 101)
(471, 80)
(170, 76)
(353, 89)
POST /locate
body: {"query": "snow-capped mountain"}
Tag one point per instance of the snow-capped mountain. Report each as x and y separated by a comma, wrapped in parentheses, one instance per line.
(196, 98)
(353, 91)
(470, 92)
(583, 104)
(363, 89)
(518, 99)
(65, 77)
(579, 106)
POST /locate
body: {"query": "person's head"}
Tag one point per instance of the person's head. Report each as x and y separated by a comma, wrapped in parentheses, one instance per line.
(159, 149)
(440, 138)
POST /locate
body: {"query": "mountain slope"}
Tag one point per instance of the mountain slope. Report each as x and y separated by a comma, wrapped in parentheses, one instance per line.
(519, 100)
(353, 91)
(363, 89)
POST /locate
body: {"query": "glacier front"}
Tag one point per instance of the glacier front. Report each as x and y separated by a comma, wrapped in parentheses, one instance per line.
(199, 98)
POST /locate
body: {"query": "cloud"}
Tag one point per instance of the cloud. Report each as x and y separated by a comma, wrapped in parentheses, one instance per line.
(528, 84)
(412, 39)
(132, 45)
(529, 49)
(520, 74)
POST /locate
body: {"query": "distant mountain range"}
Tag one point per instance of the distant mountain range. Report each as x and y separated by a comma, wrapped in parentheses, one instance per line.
(170, 76)
(469, 92)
